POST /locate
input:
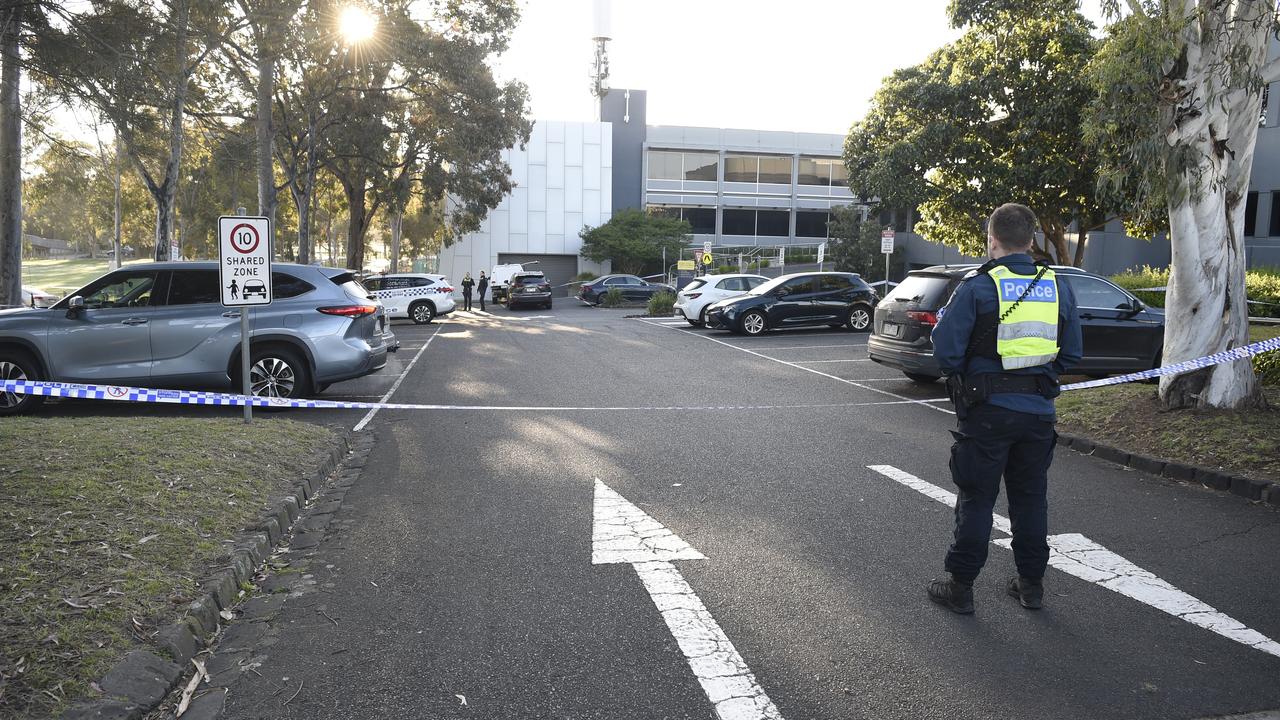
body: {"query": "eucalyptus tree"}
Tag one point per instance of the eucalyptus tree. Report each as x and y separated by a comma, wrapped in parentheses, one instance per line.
(1179, 87)
(993, 117)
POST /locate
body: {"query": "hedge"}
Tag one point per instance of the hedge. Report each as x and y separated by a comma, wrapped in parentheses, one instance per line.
(1261, 285)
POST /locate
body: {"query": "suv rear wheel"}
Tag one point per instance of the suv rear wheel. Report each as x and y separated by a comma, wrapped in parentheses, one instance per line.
(422, 312)
(17, 365)
(278, 372)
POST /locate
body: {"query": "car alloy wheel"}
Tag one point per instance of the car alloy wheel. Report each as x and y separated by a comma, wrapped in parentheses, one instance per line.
(422, 313)
(13, 372)
(859, 318)
(272, 376)
(753, 323)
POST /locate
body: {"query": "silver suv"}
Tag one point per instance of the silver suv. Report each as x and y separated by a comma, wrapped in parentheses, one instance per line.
(163, 325)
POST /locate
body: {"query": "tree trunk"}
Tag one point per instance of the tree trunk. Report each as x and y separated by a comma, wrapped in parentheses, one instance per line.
(117, 219)
(357, 222)
(1206, 199)
(164, 193)
(10, 156)
(266, 135)
(397, 228)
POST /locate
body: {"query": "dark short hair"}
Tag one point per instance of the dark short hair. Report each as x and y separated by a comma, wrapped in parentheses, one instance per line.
(1013, 226)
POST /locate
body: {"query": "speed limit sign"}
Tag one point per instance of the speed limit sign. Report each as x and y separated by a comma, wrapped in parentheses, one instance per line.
(244, 260)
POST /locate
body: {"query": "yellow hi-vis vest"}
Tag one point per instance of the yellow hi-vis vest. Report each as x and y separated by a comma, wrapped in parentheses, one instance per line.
(1028, 336)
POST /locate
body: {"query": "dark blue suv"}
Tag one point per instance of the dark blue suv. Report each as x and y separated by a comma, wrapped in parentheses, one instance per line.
(803, 299)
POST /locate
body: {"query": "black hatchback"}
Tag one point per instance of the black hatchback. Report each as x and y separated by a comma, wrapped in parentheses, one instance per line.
(803, 299)
(1121, 334)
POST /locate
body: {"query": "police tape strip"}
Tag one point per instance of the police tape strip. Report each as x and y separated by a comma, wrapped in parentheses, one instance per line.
(196, 397)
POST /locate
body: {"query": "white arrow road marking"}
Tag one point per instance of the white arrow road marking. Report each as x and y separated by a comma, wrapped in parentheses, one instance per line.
(1077, 555)
(623, 533)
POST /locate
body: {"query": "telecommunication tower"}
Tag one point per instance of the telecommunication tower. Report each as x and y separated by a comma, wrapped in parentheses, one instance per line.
(600, 36)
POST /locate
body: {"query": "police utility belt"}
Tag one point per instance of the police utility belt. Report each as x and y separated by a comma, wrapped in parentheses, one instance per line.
(969, 392)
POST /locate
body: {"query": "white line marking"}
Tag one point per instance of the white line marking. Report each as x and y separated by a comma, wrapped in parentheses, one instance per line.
(651, 408)
(1077, 555)
(623, 533)
(813, 362)
(396, 385)
(923, 403)
(806, 347)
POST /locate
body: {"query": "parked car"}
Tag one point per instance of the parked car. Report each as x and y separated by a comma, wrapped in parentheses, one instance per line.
(693, 299)
(500, 280)
(1121, 334)
(529, 289)
(163, 325)
(633, 289)
(420, 297)
(799, 299)
(36, 298)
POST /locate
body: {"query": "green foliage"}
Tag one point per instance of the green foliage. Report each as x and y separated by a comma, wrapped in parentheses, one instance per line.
(726, 269)
(1261, 286)
(661, 304)
(585, 276)
(612, 298)
(634, 240)
(993, 117)
(855, 246)
(1144, 277)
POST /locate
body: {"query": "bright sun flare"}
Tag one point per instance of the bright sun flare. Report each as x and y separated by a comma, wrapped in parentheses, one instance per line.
(357, 24)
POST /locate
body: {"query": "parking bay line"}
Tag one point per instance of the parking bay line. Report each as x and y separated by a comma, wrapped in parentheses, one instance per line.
(1077, 555)
(922, 403)
(396, 385)
(813, 362)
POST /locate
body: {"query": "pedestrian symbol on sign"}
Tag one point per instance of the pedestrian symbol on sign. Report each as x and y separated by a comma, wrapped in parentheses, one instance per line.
(234, 290)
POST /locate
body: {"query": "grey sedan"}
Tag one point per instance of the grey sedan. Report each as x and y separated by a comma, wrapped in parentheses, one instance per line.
(163, 325)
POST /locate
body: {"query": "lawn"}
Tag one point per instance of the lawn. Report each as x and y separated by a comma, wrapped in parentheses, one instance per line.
(106, 526)
(1130, 417)
(62, 276)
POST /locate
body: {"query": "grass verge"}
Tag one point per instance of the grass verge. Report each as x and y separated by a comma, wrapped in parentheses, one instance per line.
(1130, 417)
(106, 528)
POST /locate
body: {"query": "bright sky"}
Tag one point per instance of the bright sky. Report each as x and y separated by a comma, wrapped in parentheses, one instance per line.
(802, 65)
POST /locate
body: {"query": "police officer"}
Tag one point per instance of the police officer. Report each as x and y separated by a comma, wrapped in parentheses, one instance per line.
(1008, 332)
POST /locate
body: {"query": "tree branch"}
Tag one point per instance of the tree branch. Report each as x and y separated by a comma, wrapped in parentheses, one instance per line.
(1136, 7)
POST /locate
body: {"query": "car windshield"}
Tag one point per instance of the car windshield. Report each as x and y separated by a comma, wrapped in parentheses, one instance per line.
(768, 287)
(929, 291)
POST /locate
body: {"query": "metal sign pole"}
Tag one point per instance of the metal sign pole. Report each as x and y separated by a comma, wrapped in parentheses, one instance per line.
(246, 383)
(886, 273)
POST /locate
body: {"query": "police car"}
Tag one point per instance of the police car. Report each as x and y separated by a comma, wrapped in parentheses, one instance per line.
(420, 297)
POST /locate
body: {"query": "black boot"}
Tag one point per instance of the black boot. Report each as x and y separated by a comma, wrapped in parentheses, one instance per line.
(952, 594)
(1030, 593)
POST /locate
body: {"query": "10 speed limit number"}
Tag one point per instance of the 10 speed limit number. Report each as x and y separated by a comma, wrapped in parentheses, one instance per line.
(244, 260)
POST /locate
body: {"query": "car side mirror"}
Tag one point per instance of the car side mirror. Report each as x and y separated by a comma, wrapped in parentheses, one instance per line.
(75, 306)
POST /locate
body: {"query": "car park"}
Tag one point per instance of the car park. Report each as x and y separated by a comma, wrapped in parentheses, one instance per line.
(1121, 334)
(633, 289)
(798, 300)
(420, 297)
(694, 298)
(37, 298)
(163, 325)
(529, 289)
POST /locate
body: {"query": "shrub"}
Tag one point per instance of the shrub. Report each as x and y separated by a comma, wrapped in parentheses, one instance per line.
(1267, 367)
(612, 298)
(1261, 286)
(725, 269)
(586, 276)
(661, 304)
(1144, 277)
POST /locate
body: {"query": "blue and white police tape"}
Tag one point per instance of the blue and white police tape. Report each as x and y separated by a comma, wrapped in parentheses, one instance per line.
(195, 397)
(1240, 353)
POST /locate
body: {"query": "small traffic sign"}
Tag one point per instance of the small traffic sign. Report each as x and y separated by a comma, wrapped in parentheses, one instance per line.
(822, 253)
(685, 265)
(244, 260)
(706, 247)
(886, 241)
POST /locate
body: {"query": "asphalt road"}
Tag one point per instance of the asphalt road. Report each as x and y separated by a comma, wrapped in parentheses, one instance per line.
(460, 565)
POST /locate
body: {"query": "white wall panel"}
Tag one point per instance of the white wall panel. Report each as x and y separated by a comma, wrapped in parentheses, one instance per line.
(537, 232)
(555, 165)
(573, 189)
(537, 148)
(573, 144)
(519, 203)
(537, 187)
(591, 169)
(555, 211)
(591, 208)
(555, 132)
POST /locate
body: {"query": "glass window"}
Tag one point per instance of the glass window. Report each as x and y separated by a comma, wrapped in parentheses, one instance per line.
(127, 289)
(702, 220)
(632, 280)
(284, 285)
(664, 165)
(812, 172)
(839, 174)
(695, 284)
(701, 166)
(755, 282)
(1275, 215)
(741, 168)
(732, 284)
(616, 281)
(373, 284)
(773, 223)
(834, 283)
(811, 224)
(423, 282)
(1094, 293)
(929, 291)
(351, 285)
(775, 169)
(802, 284)
(665, 211)
(192, 287)
(739, 222)
(1250, 214)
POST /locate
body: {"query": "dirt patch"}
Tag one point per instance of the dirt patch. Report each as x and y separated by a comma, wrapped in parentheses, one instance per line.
(1130, 417)
(106, 528)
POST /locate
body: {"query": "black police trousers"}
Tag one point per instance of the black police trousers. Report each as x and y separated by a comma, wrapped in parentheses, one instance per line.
(992, 442)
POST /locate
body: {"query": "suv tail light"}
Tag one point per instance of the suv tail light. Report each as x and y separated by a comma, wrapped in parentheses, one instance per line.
(927, 318)
(693, 296)
(351, 311)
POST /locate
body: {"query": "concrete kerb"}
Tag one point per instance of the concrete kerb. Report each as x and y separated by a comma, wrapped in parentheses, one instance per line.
(1211, 478)
(139, 682)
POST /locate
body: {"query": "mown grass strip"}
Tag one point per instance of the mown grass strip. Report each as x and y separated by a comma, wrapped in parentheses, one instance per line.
(106, 526)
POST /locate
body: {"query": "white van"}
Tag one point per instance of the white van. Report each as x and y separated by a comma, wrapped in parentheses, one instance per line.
(418, 296)
(500, 280)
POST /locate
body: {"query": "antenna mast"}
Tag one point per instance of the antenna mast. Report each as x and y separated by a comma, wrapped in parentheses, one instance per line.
(600, 38)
